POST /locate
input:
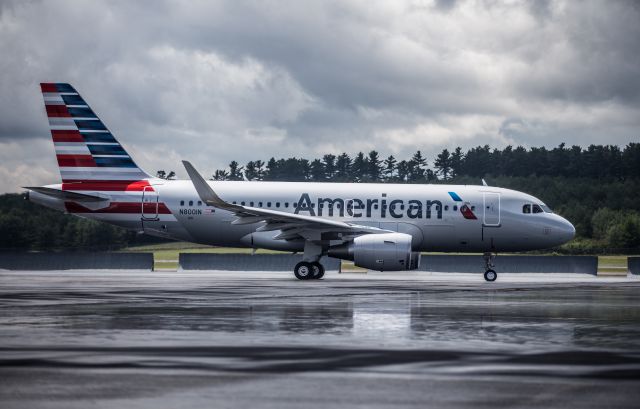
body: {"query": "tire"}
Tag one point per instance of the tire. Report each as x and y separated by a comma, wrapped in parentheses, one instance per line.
(303, 270)
(318, 270)
(490, 275)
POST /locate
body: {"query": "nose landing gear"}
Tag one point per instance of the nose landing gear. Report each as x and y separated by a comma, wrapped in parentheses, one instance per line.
(489, 274)
(308, 271)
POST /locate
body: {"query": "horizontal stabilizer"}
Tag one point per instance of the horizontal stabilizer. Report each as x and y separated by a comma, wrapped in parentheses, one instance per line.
(66, 195)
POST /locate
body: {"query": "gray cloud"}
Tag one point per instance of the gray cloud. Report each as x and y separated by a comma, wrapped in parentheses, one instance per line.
(215, 81)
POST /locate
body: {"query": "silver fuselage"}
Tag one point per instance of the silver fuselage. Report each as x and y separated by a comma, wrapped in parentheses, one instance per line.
(431, 214)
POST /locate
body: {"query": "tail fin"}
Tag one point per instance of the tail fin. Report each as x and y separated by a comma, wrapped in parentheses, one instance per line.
(85, 149)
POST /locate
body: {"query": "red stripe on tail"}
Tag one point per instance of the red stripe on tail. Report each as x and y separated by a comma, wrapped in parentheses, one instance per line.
(66, 136)
(76, 161)
(47, 87)
(57, 111)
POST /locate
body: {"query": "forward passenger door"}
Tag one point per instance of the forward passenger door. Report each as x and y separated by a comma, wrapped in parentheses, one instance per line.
(491, 209)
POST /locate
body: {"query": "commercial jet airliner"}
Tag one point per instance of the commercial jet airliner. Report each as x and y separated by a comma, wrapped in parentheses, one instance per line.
(381, 227)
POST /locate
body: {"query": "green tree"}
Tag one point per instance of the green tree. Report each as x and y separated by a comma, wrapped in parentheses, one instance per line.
(220, 174)
(254, 170)
(374, 167)
(626, 234)
(317, 171)
(457, 158)
(235, 171)
(417, 167)
(404, 170)
(631, 160)
(389, 168)
(272, 172)
(329, 162)
(443, 163)
(343, 168)
(359, 168)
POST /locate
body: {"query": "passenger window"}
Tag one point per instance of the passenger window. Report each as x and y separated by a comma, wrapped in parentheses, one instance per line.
(268, 204)
(199, 203)
(277, 204)
(251, 204)
(446, 207)
(537, 209)
(259, 204)
(455, 208)
(242, 203)
(473, 208)
(190, 202)
(295, 205)
(286, 204)
(182, 203)
(526, 209)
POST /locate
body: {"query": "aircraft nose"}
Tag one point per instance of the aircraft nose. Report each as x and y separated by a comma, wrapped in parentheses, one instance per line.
(567, 231)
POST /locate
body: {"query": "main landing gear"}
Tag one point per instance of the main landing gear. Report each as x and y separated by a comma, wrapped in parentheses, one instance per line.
(308, 271)
(489, 274)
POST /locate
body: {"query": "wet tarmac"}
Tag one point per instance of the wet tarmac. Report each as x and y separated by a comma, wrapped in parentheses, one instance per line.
(235, 340)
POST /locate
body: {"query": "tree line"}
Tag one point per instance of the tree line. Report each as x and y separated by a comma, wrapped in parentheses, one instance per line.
(596, 162)
(595, 188)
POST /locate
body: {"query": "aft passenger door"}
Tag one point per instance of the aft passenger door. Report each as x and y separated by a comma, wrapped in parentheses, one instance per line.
(491, 209)
(149, 204)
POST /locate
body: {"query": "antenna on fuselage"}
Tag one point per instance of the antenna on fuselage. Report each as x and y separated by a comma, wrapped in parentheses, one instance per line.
(484, 183)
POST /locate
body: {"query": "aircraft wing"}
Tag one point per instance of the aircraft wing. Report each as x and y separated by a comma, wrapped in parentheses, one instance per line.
(291, 225)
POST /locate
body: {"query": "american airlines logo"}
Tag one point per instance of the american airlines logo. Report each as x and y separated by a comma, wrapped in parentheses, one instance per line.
(396, 208)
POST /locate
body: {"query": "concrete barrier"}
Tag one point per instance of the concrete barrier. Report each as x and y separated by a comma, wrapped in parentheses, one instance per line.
(511, 264)
(247, 262)
(633, 264)
(76, 261)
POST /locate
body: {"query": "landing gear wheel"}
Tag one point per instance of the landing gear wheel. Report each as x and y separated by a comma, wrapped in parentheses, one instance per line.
(303, 270)
(318, 270)
(490, 275)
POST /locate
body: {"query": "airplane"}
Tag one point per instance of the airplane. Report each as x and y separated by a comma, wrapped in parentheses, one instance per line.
(382, 227)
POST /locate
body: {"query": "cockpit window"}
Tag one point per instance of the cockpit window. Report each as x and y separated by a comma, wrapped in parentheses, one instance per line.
(546, 208)
(537, 209)
(526, 208)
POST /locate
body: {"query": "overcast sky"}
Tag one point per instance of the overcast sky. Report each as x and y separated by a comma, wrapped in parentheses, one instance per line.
(212, 81)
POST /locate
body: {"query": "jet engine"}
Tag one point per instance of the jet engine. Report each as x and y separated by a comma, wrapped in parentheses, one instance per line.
(381, 252)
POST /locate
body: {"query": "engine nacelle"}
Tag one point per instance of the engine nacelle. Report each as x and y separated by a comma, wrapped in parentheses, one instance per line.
(381, 252)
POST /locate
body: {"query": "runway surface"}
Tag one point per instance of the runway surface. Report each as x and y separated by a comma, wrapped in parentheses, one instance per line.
(236, 340)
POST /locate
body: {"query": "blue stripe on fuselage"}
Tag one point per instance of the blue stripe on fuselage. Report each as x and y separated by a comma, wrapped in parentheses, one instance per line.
(455, 196)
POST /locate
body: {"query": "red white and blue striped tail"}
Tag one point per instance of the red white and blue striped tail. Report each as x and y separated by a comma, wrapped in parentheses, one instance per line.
(85, 149)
